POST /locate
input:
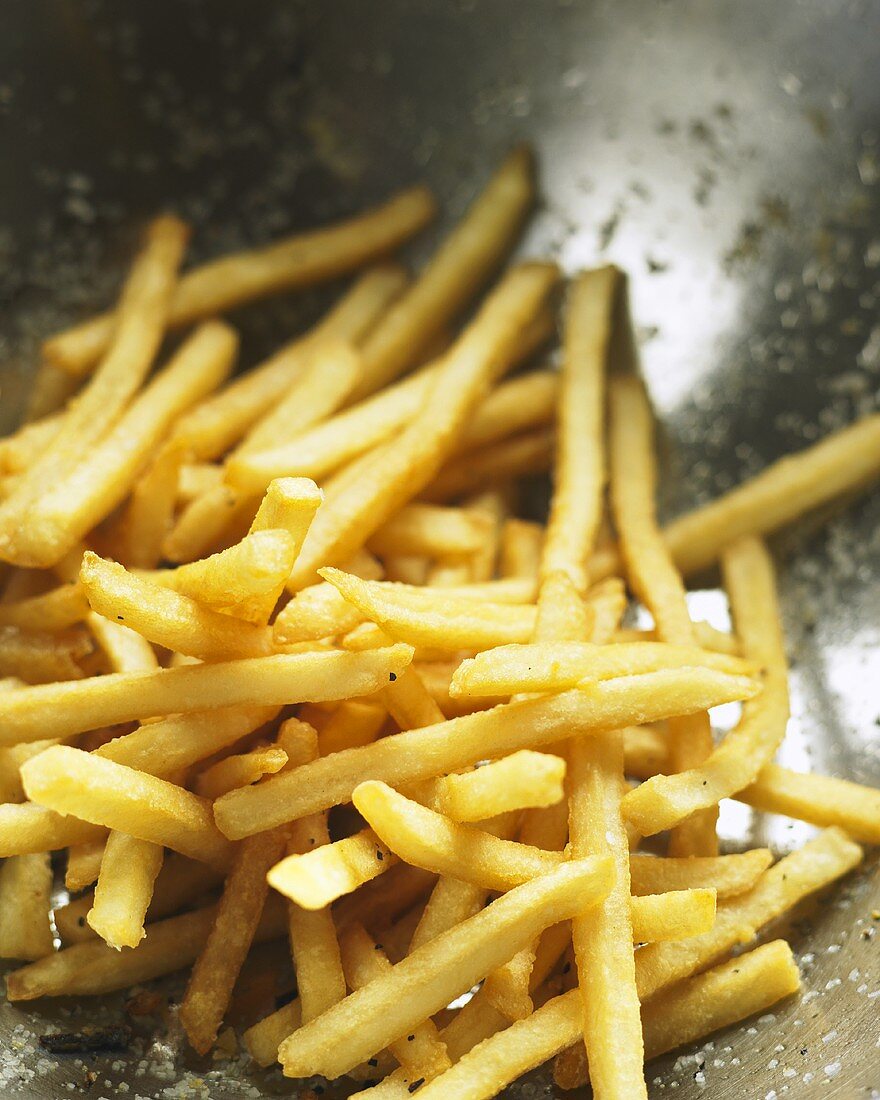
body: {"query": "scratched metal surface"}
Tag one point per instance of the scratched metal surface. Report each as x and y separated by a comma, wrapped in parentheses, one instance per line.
(724, 153)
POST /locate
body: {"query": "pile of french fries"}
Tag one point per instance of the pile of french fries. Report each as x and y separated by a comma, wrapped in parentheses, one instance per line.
(231, 607)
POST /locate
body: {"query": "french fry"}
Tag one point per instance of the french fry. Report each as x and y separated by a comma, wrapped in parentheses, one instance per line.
(102, 479)
(69, 780)
(11, 760)
(560, 666)
(706, 636)
(124, 648)
(25, 900)
(166, 617)
(674, 915)
(299, 260)
(264, 1038)
(315, 879)
(50, 391)
(24, 446)
(409, 702)
(520, 780)
(149, 513)
(520, 553)
(229, 939)
(406, 568)
(221, 421)
(40, 658)
(51, 611)
(25, 828)
(517, 405)
(717, 999)
(431, 531)
(663, 801)
(378, 484)
(125, 886)
(728, 875)
(60, 710)
(367, 1020)
(527, 453)
(453, 745)
(453, 275)
(138, 331)
(238, 771)
(421, 1052)
(196, 478)
(657, 582)
(84, 863)
(352, 723)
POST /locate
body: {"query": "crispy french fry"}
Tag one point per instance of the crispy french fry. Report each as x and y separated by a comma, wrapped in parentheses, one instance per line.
(25, 899)
(50, 391)
(299, 260)
(366, 1021)
(196, 478)
(728, 875)
(421, 1052)
(84, 863)
(663, 801)
(819, 799)
(264, 1038)
(520, 553)
(432, 531)
(50, 611)
(517, 781)
(406, 568)
(719, 998)
(25, 828)
(166, 617)
(11, 760)
(378, 484)
(674, 915)
(125, 650)
(68, 780)
(22, 447)
(138, 331)
(527, 453)
(657, 582)
(453, 275)
(229, 940)
(238, 771)
(59, 710)
(314, 879)
(453, 745)
(102, 479)
(519, 404)
(150, 510)
(125, 886)
(560, 666)
(352, 723)
(40, 658)
(409, 702)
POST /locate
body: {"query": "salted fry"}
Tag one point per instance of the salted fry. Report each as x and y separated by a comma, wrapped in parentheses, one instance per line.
(727, 875)
(560, 666)
(382, 481)
(352, 723)
(316, 878)
(124, 648)
(657, 582)
(26, 828)
(25, 900)
(527, 453)
(422, 983)
(674, 915)
(101, 480)
(229, 940)
(125, 886)
(663, 801)
(238, 771)
(299, 260)
(136, 336)
(69, 780)
(819, 799)
(51, 611)
(432, 531)
(84, 864)
(166, 617)
(520, 780)
(150, 510)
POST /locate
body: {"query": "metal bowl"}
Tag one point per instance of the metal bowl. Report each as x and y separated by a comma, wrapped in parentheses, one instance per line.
(724, 153)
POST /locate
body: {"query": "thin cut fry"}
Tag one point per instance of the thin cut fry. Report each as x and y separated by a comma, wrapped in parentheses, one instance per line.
(238, 771)
(521, 543)
(51, 611)
(674, 915)
(299, 260)
(150, 511)
(367, 1020)
(69, 780)
(125, 886)
(59, 710)
(528, 453)
(25, 899)
(352, 723)
(40, 658)
(432, 531)
(84, 864)
(229, 940)
(522, 779)
(125, 650)
(728, 875)
(663, 801)
(26, 828)
(453, 745)
(50, 391)
(139, 328)
(819, 799)
(384, 480)
(316, 878)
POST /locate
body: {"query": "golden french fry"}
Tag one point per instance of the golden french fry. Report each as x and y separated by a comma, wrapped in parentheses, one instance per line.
(25, 828)
(517, 405)
(11, 760)
(663, 801)
(166, 617)
(229, 940)
(25, 900)
(674, 915)
(406, 568)
(728, 875)
(352, 723)
(559, 666)
(84, 863)
(453, 275)
(196, 478)
(517, 781)
(299, 260)
(819, 799)
(409, 702)
(656, 580)
(40, 658)
(136, 336)
(125, 650)
(421, 1053)
(314, 879)
(50, 391)
(453, 745)
(69, 780)
(102, 479)
(264, 1038)
(378, 484)
(528, 453)
(420, 985)
(432, 531)
(24, 446)
(125, 886)
(238, 771)
(149, 514)
(59, 710)
(50, 611)
(520, 552)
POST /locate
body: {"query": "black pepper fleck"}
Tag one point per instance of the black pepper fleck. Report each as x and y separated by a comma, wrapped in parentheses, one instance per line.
(410, 1038)
(392, 676)
(379, 855)
(372, 1061)
(416, 1085)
